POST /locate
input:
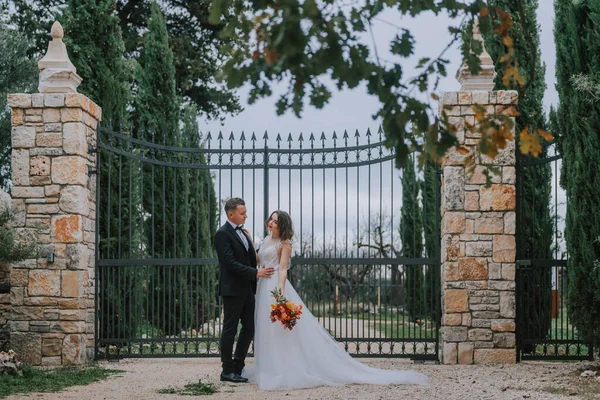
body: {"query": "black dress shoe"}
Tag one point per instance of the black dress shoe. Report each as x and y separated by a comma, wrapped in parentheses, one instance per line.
(233, 377)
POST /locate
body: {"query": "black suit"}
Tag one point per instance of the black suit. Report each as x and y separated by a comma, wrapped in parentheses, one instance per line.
(237, 285)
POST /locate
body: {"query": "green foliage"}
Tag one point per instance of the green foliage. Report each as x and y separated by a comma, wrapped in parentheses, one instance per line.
(46, 381)
(193, 39)
(12, 247)
(96, 48)
(191, 389)
(536, 225)
(17, 75)
(411, 234)
(577, 38)
(308, 45)
(431, 205)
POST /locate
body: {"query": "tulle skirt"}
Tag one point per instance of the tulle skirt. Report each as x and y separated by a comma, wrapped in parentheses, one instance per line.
(307, 356)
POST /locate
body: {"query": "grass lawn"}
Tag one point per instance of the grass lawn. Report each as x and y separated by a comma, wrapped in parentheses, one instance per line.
(38, 380)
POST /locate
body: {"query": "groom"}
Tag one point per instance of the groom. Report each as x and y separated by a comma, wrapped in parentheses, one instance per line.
(237, 284)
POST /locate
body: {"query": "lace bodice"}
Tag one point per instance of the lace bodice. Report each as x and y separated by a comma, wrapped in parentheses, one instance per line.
(269, 252)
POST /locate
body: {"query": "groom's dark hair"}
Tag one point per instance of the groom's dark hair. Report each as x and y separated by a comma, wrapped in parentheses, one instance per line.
(233, 203)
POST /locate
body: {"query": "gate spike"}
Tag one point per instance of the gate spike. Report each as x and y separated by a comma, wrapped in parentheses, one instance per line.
(334, 137)
(253, 138)
(380, 132)
(266, 136)
(312, 137)
(301, 138)
(220, 137)
(209, 136)
(345, 134)
(278, 137)
(231, 137)
(322, 135)
(243, 137)
(368, 132)
(356, 134)
(289, 139)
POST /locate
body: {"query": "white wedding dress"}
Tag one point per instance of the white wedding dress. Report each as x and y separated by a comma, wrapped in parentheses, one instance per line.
(306, 356)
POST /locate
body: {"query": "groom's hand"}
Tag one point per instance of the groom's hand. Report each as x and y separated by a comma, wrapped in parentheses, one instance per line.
(265, 272)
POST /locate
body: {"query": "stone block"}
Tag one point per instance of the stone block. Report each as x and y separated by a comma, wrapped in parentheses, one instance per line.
(78, 256)
(40, 165)
(504, 248)
(507, 96)
(450, 98)
(49, 139)
(17, 116)
(503, 325)
(52, 190)
(472, 269)
(27, 346)
(450, 353)
(54, 100)
(19, 100)
(67, 228)
(23, 136)
(75, 200)
(453, 319)
(69, 327)
(509, 175)
(456, 300)
(40, 180)
(479, 334)
(489, 225)
(42, 209)
(20, 167)
(77, 100)
(50, 115)
(450, 271)
(44, 282)
(73, 283)
(454, 182)
(505, 156)
(453, 222)
(510, 223)
(464, 98)
(478, 249)
(494, 271)
(74, 136)
(508, 272)
(51, 361)
(497, 197)
(71, 115)
(454, 333)
(471, 201)
(507, 304)
(495, 356)
(51, 347)
(69, 170)
(480, 97)
(74, 350)
(465, 353)
(73, 315)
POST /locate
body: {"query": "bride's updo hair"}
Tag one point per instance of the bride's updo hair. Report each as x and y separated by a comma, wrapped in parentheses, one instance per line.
(284, 221)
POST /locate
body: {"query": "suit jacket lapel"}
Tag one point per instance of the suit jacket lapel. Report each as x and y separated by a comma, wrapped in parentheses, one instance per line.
(234, 233)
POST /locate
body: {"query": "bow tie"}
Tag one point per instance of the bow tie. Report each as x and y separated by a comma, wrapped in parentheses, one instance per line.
(239, 227)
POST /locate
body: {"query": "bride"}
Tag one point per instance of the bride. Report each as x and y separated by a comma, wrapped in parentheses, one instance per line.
(306, 356)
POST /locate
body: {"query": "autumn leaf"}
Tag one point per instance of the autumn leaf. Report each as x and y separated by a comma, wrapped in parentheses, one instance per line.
(529, 143)
(546, 135)
(271, 56)
(484, 12)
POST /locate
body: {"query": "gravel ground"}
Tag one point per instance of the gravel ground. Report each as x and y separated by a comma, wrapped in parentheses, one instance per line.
(143, 377)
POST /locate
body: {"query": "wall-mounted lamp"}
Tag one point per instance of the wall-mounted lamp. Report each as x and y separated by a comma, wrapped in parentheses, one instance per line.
(50, 257)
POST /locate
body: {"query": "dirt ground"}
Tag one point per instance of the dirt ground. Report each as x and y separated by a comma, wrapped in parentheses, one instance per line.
(143, 377)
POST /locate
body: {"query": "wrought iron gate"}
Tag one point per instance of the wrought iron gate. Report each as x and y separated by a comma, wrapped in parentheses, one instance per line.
(544, 329)
(369, 277)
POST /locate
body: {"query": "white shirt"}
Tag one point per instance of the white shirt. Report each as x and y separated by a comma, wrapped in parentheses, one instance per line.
(241, 234)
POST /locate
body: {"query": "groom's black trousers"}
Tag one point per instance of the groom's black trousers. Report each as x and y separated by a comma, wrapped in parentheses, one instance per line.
(237, 309)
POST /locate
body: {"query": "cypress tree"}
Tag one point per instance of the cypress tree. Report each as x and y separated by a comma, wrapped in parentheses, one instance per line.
(411, 234)
(577, 38)
(96, 48)
(432, 274)
(17, 74)
(536, 224)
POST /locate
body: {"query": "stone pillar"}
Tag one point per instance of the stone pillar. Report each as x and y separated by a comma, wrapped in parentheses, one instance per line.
(52, 297)
(478, 231)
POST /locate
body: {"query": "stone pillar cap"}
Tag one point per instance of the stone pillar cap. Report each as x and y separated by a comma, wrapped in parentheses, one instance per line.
(486, 77)
(57, 72)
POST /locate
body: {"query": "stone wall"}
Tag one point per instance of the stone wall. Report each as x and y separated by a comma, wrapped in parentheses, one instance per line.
(52, 319)
(478, 240)
(5, 269)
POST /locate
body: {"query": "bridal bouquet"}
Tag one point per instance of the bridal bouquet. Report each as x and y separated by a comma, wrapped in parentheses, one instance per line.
(284, 311)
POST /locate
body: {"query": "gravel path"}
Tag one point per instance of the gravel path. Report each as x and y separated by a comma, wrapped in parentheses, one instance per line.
(522, 381)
